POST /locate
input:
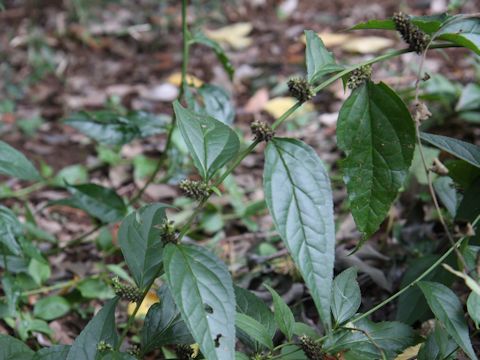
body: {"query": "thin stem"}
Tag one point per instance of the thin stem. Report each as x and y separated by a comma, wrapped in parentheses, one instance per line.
(424, 162)
(417, 280)
(183, 87)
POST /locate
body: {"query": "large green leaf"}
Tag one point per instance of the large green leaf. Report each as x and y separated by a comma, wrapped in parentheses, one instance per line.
(163, 324)
(449, 311)
(14, 163)
(463, 30)
(370, 340)
(112, 128)
(211, 143)
(283, 315)
(299, 197)
(14, 349)
(346, 296)
(202, 289)
(473, 307)
(139, 239)
(438, 346)
(200, 38)
(98, 201)
(10, 228)
(429, 24)
(249, 304)
(55, 352)
(377, 134)
(51, 307)
(100, 328)
(461, 149)
(320, 61)
(412, 306)
(254, 329)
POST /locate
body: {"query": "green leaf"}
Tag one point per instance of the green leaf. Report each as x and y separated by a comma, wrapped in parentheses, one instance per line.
(283, 315)
(320, 61)
(92, 288)
(100, 328)
(254, 329)
(163, 324)
(377, 134)
(438, 346)
(217, 103)
(14, 163)
(211, 143)
(100, 202)
(140, 242)
(74, 174)
(10, 229)
(51, 307)
(411, 306)
(463, 30)
(301, 329)
(390, 338)
(298, 195)
(346, 296)
(448, 310)
(445, 189)
(200, 38)
(473, 307)
(428, 24)
(470, 98)
(249, 304)
(469, 207)
(461, 149)
(14, 349)
(112, 128)
(55, 352)
(202, 289)
(115, 355)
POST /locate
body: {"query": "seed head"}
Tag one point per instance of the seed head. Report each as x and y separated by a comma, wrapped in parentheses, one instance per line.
(300, 89)
(312, 350)
(168, 232)
(359, 76)
(103, 346)
(184, 352)
(262, 131)
(411, 34)
(134, 351)
(127, 292)
(195, 189)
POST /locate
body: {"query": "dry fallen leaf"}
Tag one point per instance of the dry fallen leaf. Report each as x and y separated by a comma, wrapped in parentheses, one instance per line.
(409, 353)
(234, 35)
(149, 300)
(277, 106)
(257, 101)
(367, 44)
(176, 79)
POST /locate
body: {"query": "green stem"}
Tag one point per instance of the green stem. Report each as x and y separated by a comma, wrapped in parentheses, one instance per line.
(185, 58)
(417, 280)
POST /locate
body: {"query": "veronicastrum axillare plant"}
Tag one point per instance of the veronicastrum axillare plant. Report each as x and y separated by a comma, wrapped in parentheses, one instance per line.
(201, 311)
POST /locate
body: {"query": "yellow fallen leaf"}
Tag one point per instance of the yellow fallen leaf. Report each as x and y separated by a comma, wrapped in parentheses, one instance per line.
(409, 353)
(149, 300)
(367, 45)
(277, 106)
(331, 39)
(234, 35)
(176, 79)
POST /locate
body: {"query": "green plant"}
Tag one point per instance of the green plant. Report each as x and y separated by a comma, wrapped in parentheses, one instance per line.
(199, 304)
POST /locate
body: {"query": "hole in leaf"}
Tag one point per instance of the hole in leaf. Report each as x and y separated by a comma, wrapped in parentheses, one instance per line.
(208, 308)
(217, 340)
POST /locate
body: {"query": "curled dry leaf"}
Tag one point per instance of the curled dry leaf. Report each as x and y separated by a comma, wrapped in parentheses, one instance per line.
(234, 35)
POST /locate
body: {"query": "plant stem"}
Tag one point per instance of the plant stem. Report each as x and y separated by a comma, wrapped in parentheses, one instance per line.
(417, 280)
(183, 87)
